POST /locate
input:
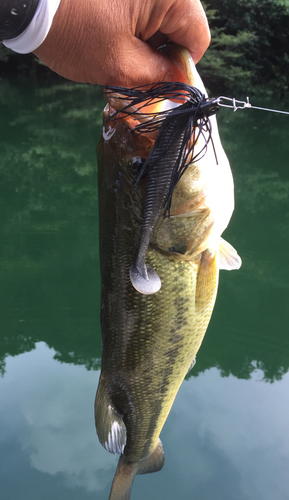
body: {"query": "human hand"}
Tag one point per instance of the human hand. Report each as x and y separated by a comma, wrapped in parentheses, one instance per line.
(114, 43)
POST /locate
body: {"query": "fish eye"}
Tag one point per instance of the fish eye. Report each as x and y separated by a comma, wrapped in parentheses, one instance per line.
(137, 165)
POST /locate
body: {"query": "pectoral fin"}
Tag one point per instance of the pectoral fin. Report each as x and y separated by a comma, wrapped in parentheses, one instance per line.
(192, 364)
(228, 256)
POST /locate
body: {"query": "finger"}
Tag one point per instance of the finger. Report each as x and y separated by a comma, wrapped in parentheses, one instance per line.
(142, 64)
(186, 24)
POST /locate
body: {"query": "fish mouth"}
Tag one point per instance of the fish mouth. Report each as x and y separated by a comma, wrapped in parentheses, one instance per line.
(185, 67)
(185, 72)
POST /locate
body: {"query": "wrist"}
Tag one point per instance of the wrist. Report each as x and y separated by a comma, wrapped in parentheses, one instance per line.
(64, 49)
(15, 16)
(35, 33)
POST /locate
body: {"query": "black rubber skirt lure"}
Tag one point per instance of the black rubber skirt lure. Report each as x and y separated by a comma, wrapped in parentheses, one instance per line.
(178, 130)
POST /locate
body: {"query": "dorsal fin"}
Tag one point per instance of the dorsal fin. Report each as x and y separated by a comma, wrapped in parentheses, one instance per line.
(228, 256)
(110, 427)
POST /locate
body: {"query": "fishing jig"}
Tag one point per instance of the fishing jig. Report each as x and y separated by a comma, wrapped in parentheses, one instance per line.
(179, 129)
(189, 117)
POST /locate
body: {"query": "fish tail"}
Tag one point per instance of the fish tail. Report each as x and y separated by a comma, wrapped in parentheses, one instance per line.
(123, 479)
(126, 472)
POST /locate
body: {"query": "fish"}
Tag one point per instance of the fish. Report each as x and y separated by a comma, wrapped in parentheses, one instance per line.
(150, 340)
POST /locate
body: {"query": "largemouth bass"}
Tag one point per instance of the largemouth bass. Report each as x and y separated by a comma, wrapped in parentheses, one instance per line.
(150, 341)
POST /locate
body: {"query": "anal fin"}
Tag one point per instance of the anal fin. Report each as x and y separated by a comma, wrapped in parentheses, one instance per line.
(154, 462)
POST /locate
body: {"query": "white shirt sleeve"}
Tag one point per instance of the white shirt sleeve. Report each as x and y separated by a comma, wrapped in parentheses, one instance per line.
(37, 30)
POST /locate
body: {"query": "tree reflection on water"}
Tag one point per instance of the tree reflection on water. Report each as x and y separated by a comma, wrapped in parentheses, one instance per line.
(49, 250)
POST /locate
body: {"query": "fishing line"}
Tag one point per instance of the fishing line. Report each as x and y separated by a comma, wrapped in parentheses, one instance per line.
(235, 105)
(190, 117)
(179, 127)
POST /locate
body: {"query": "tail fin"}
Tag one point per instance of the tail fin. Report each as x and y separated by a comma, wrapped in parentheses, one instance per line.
(123, 479)
(126, 472)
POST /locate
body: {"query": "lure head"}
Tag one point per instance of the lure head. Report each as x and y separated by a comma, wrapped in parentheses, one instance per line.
(209, 107)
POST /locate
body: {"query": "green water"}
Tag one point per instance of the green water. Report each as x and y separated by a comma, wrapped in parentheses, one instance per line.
(227, 435)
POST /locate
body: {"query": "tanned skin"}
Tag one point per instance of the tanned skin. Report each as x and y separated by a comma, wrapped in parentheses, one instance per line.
(114, 43)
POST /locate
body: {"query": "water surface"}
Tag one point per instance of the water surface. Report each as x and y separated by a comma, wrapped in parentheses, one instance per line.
(227, 435)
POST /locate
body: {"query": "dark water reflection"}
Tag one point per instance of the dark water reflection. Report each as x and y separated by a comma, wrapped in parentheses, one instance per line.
(227, 435)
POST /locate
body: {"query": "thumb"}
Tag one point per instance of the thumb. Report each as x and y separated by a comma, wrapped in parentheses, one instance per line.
(142, 64)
